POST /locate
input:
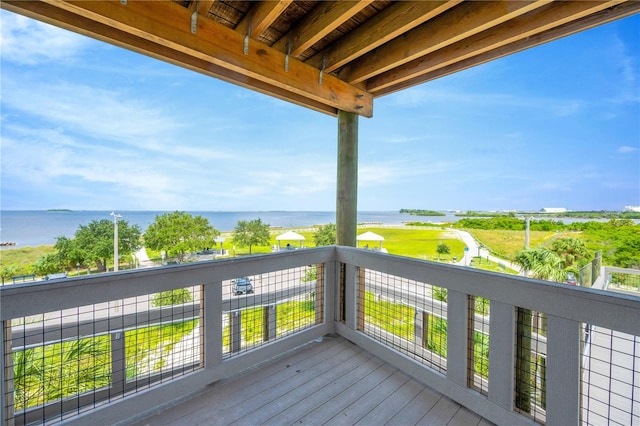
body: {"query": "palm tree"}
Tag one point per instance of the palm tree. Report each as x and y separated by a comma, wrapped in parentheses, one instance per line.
(571, 250)
(542, 263)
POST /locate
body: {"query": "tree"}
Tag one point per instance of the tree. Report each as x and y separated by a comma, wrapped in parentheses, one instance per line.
(180, 233)
(542, 263)
(572, 251)
(442, 249)
(325, 235)
(251, 233)
(48, 264)
(94, 243)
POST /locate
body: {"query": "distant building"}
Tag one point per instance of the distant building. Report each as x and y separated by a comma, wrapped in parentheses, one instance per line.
(554, 210)
(632, 209)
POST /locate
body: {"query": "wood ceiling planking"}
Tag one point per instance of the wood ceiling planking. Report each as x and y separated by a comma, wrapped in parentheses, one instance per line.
(368, 48)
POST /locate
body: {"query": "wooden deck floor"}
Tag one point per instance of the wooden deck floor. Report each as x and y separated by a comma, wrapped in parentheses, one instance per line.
(332, 382)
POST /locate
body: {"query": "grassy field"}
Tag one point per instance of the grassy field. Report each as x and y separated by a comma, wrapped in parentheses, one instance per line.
(413, 242)
(507, 243)
(402, 241)
(23, 257)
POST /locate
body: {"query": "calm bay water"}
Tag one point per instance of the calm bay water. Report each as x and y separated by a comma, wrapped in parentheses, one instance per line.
(34, 228)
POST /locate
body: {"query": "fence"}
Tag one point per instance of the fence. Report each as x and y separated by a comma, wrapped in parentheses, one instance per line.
(512, 349)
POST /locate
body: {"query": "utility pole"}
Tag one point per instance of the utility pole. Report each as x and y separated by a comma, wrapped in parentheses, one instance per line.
(115, 241)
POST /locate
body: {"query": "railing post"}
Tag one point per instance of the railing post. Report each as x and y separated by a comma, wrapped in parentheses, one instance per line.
(269, 326)
(211, 327)
(118, 362)
(319, 297)
(331, 292)
(563, 371)
(457, 337)
(361, 291)
(502, 333)
(418, 327)
(235, 336)
(6, 375)
(350, 300)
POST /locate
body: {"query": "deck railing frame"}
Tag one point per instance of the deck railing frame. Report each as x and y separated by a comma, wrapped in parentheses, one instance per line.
(567, 309)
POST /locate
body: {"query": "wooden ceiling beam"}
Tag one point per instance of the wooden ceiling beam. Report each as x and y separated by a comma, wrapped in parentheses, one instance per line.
(383, 27)
(538, 21)
(459, 23)
(71, 21)
(261, 16)
(169, 24)
(320, 21)
(611, 14)
(205, 6)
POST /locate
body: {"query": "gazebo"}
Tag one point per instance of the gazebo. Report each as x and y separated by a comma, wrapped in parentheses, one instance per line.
(371, 236)
(289, 236)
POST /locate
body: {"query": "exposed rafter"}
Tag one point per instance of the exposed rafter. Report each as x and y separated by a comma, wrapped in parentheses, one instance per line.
(389, 24)
(326, 55)
(457, 24)
(617, 12)
(261, 16)
(322, 19)
(521, 28)
(215, 47)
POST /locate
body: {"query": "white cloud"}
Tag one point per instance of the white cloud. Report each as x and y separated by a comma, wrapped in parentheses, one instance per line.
(28, 42)
(427, 95)
(625, 149)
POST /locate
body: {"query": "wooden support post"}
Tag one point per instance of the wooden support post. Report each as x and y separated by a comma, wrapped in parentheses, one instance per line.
(347, 185)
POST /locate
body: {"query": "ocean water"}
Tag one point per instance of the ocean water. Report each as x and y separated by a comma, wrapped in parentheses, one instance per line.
(34, 228)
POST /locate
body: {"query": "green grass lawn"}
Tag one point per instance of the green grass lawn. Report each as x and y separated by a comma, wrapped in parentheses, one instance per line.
(506, 244)
(402, 241)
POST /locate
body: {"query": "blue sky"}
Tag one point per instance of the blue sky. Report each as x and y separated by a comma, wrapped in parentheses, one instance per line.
(86, 125)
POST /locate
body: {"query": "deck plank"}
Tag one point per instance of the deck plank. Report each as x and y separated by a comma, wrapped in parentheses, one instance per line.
(315, 381)
(416, 408)
(342, 400)
(392, 405)
(330, 382)
(299, 375)
(316, 399)
(441, 413)
(368, 401)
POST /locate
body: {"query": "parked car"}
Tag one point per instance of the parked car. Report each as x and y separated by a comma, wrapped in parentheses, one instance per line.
(242, 285)
(571, 279)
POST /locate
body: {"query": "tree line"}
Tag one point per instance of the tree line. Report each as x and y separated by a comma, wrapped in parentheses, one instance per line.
(617, 239)
(178, 234)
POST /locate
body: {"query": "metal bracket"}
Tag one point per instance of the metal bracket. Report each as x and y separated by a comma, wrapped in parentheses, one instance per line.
(286, 58)
(194, 22)
(324, 64)
(194, 18)
(246, 39)
(123, 2)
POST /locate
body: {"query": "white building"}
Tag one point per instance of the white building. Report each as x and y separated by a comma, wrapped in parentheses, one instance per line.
(632, 209)
(554, 210)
